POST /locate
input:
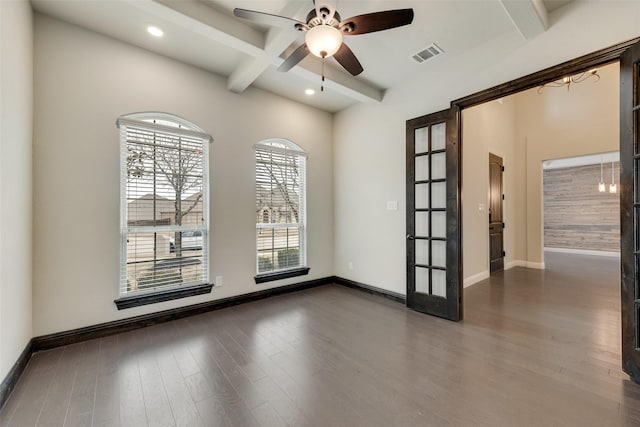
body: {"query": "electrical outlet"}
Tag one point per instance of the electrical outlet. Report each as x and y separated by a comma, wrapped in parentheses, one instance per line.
(392, 205)
(350, 265)
(218, 280)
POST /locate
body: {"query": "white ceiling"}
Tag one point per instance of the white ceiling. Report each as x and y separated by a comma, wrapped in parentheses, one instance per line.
(205, 33)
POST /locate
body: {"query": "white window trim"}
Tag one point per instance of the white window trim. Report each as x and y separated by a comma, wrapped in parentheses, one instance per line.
(287, 147)
(186, 129)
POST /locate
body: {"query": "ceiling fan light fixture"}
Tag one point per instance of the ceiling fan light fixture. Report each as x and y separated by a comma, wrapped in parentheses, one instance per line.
(323, 40)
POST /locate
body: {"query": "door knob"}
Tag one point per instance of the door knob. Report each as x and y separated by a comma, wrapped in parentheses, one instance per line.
(410, 237)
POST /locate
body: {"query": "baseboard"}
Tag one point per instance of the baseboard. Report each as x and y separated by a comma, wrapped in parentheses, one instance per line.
(476, 278)
(10, 381)
(583, 252)
(526, 264)
(58, 339)
(45, 342)
(536, 265)
(509, 265)
(394, 296)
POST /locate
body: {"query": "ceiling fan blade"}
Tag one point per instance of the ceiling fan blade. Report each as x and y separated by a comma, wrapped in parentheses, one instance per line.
(266, 18)
(348, 60)
(377, 21)
(298, 55)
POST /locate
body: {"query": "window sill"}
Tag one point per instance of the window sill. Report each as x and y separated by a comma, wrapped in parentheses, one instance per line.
(161, 296)
(270, 277)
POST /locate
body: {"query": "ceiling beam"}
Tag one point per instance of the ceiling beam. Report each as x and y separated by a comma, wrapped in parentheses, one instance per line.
(338, 81)
(276, 41)
(529, 16)
(263, 49)
(245, 74)
(202, 19)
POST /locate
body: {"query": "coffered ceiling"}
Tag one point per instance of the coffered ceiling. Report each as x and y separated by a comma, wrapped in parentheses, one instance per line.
(204, 33)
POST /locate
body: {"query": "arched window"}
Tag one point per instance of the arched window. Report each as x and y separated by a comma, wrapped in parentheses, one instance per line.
(281, 188)
(164, 219)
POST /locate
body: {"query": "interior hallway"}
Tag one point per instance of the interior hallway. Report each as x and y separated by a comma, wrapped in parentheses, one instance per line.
(536, 348)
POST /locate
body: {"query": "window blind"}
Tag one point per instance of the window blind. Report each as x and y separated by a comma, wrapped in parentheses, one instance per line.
(164, 206)
(280, 206)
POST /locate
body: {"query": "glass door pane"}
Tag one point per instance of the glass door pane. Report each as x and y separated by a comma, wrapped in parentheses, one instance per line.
(434, 285)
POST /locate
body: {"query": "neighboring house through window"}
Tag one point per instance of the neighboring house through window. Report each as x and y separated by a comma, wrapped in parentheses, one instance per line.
(164, 218)
(280, 210)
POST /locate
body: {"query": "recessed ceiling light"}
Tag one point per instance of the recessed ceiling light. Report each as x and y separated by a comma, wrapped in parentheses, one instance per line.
(155, 31)
(310, 92)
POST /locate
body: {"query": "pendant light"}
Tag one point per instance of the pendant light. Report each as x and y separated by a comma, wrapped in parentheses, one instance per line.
(601, 186)
(613, 188)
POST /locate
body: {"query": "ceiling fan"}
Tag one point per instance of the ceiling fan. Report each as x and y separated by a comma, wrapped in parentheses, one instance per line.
(324, 30)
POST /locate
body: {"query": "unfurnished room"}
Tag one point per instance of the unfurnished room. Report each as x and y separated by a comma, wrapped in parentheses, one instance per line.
(319, 213)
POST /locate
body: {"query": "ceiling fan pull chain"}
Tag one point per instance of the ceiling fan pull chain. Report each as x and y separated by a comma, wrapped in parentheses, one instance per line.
(322, 84)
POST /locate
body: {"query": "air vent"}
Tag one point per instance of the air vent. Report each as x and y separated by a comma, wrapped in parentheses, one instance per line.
(427, 53)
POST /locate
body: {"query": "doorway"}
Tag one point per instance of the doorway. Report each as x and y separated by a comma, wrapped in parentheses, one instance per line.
(496, 219)
(524, 130)
(627, 56)
(581, 205)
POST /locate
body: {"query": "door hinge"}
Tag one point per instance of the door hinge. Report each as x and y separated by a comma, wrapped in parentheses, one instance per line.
(502, 168)
(503, 197)
(503, 226)
(504, 253)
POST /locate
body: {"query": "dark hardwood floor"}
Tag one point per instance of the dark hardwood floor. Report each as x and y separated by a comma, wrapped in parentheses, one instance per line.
(537, 348)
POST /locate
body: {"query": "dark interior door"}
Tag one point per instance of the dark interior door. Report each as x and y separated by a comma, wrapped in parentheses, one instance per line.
(630, 208)
(496, 219)
(434, 268)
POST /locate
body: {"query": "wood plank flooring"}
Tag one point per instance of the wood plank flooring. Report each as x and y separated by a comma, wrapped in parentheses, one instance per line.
(537, 348)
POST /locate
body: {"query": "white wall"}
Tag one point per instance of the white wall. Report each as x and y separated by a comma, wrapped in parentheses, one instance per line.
(83, 82)
(369, 140)
(16, 133)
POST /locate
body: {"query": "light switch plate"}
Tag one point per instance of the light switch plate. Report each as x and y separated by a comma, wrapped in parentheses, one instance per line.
(392, 205)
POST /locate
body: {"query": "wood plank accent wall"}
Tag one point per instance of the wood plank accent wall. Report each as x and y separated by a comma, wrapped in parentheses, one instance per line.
(576, 215)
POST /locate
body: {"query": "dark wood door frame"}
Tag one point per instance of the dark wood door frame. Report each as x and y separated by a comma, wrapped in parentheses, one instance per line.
(496, 214)
(574, 66)
(630, 209)
(591, 60)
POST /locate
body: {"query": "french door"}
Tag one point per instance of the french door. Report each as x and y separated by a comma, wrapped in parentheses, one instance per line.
(630, 208)
(434, 268)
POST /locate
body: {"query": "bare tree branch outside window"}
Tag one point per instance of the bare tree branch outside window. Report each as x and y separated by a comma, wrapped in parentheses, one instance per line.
(164, 220)
(280, 181)
(172, 165)
(279, 207)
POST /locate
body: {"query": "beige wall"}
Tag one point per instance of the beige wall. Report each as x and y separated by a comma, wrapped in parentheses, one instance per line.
(83, 82)
(16, 113)
(526, 129)
(488, 128)
(582, 120)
